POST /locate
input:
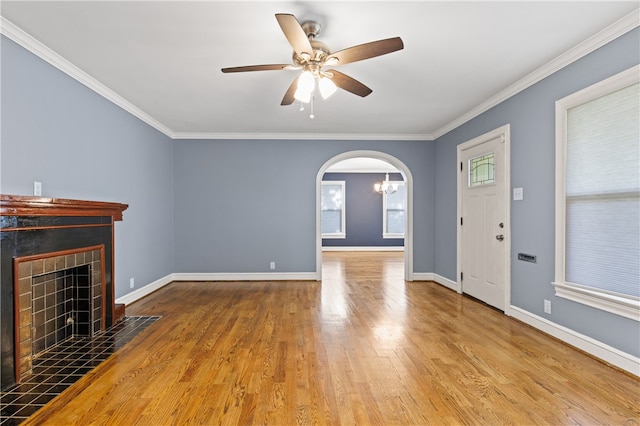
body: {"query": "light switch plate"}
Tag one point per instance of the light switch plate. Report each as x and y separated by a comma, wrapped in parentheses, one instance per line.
(37, 189)
(518, 194)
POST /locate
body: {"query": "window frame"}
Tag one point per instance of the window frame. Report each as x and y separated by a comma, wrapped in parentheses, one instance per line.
(617, 303)
(385, 234)
(343, 215)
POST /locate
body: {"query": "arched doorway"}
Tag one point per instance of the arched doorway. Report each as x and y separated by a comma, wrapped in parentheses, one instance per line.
(407, 177)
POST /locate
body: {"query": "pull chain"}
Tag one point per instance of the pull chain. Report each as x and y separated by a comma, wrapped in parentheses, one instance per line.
(312, 116)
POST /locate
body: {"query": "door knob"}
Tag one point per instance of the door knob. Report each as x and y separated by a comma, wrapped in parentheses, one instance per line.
(500, 237)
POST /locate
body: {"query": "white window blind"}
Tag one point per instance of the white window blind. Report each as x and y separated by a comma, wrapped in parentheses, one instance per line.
(394, 212)
(602, 193)
(332, 209)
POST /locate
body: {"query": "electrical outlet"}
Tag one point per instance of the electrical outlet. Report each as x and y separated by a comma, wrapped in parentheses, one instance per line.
(547, 306)
(37, 189)
(272, 265)
(132, 283)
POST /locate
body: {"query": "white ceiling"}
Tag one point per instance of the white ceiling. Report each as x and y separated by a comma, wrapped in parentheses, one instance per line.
(361, 165)
(161, 60)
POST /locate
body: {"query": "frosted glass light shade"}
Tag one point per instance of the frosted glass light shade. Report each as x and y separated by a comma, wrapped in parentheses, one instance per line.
(327, 87)
(302, 96)
(306, 82)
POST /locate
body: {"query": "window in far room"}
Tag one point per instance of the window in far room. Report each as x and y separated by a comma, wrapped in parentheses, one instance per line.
(394, 212)
(333, 209)
(598, 195)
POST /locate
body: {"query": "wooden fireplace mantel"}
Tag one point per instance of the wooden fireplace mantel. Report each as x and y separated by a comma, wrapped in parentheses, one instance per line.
(25, 205)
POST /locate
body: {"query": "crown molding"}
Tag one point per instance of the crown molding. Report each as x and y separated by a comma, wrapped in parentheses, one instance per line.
(610, 33)
(20, 37)
(306, 136)
(34, 46)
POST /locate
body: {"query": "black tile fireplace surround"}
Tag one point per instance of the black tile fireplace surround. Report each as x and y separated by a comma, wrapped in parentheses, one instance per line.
(32, 226)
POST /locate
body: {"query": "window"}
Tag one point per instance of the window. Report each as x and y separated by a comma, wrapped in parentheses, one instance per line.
(332, 207)
(598, 195)
(394, 212)
(481, 170)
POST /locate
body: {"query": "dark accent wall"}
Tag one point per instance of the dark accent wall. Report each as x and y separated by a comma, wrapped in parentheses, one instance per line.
(363, 211)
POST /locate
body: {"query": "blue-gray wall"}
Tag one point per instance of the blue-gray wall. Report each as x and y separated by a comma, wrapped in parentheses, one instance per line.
(81, 146)
(240, 204)
(363, 214)
(531, 115)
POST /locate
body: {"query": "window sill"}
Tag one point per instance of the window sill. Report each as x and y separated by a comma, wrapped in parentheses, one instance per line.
(615, 303)
(392, 235)
(334, 236)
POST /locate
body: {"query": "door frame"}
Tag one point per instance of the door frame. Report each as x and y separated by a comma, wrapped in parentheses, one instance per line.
(407, 177)
(505, 133)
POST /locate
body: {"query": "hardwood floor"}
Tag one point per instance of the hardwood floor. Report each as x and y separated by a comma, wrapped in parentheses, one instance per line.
(361, 347)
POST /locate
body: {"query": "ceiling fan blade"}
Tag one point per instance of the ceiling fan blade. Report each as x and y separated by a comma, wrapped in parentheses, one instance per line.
(365, 51)
(288, 97)
(266, 67)
(349, 84)
(294, 34)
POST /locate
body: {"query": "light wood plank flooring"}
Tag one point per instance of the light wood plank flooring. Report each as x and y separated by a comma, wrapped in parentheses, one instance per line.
(361, 347)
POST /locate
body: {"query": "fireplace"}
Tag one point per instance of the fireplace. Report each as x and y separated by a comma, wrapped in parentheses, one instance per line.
(56, 296)
(56, 275)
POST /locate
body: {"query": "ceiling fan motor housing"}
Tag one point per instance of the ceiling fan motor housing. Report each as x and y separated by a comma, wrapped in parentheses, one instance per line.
(320, 50)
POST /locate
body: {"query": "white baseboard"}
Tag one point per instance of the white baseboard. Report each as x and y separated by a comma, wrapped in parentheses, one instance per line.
(446, 282)
(129, 298)
(591, 346)
(158, 284)
(430, 276)
(372, 248)
(260, 276)
(248, 276)
(423, 276)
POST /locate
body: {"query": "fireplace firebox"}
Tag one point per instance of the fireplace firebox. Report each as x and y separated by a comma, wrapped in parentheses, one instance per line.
(56, 275)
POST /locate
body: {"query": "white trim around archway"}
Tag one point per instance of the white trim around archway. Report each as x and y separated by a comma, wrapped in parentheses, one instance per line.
(408, 178)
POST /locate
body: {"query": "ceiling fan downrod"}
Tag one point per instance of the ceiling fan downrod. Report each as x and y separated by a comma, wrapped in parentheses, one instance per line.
(311, 29)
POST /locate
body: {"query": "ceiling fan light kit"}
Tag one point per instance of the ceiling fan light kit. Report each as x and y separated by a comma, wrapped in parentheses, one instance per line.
(326, 87)
(311, 55)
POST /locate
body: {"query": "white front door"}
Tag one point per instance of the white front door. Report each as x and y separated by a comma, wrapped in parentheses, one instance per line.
(483, 224)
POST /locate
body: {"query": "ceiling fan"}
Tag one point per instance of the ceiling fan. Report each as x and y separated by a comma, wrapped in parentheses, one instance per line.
(313, 57)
